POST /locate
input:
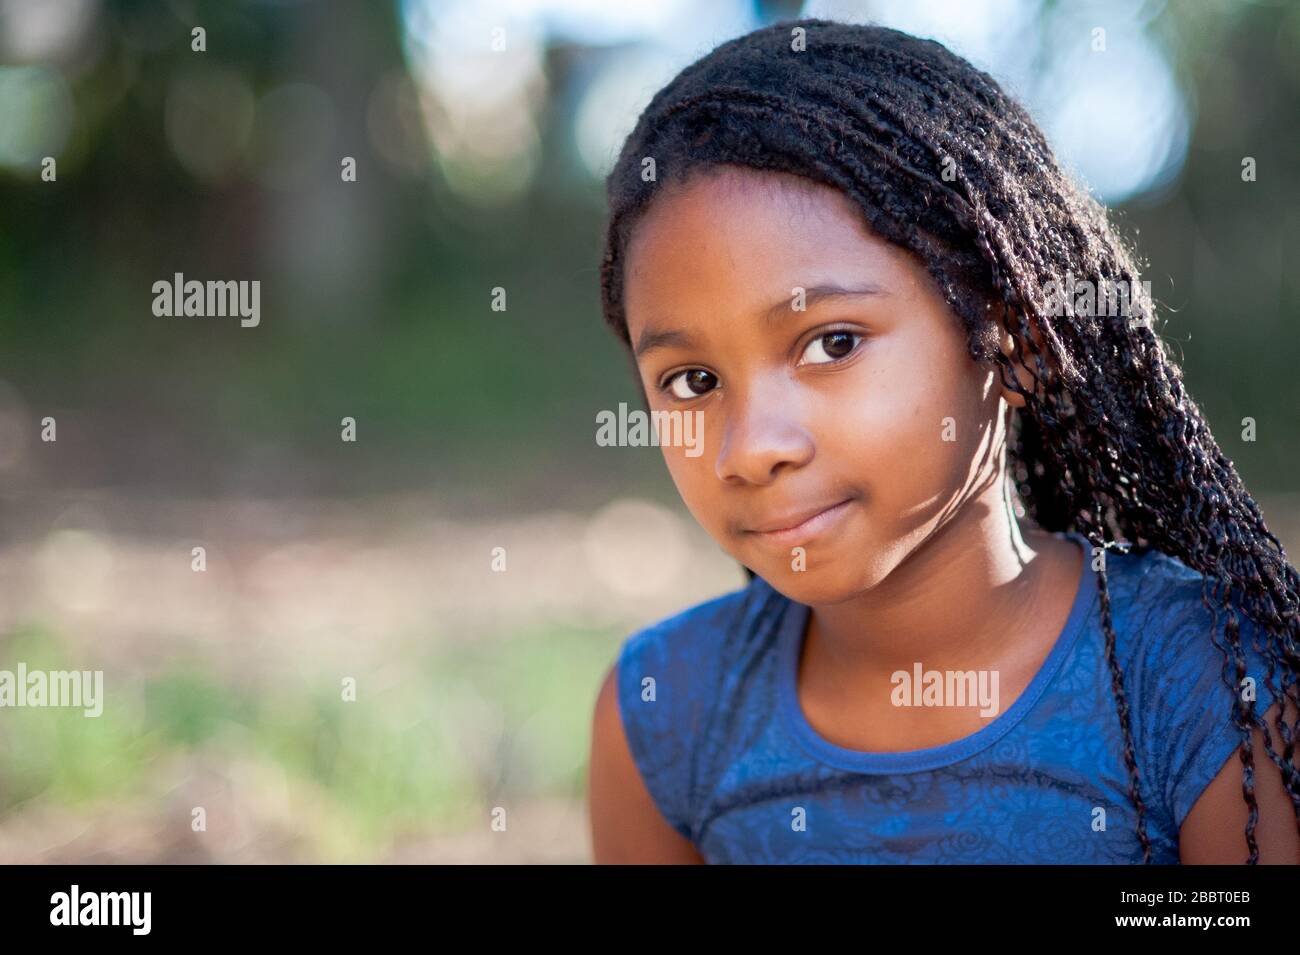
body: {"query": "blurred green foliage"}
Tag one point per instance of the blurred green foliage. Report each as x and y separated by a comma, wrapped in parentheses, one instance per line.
(405, 757)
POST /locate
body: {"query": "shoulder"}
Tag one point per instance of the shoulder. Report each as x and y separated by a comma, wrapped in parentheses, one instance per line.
(627, 825)
(1172, 621)
(672, 677)
(1190, 664)
(696, 642)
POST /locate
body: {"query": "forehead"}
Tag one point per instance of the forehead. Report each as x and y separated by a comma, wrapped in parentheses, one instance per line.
(747, 237)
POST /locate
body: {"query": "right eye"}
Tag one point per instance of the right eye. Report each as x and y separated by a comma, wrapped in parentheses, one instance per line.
(691, 383)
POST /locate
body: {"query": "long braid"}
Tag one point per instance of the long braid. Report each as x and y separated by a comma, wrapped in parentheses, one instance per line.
(941, 162)
(1121, 702)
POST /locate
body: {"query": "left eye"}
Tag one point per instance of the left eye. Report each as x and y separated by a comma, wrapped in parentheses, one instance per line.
(830, 347)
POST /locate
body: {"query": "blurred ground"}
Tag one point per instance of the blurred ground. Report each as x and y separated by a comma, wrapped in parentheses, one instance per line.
(223, 687)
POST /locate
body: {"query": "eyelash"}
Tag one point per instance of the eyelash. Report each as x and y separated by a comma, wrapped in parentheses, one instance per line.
(666, 382)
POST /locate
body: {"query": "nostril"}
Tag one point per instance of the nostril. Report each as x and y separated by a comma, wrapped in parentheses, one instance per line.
(757, 454)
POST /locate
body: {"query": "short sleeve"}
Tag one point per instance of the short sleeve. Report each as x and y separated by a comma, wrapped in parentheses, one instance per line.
(1191, 733)
(670, 678)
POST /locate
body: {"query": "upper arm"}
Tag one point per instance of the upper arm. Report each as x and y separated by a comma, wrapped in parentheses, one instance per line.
(626, 825)
(1214, 831)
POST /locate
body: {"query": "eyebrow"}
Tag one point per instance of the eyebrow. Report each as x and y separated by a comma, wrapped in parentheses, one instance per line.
(820, 293)
(651, 339)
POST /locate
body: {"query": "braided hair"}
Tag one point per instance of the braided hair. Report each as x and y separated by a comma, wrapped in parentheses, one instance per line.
(943, 163)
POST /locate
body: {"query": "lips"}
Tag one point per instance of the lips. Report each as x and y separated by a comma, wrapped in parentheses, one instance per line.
(801, 524)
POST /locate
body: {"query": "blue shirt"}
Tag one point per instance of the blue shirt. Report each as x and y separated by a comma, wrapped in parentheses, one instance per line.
(724, 749)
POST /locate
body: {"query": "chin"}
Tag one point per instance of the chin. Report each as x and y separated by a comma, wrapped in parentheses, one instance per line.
(834, 571)
(829, 584)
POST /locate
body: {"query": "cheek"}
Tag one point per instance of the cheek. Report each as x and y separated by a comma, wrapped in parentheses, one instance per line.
(907, 429)
(695, 478)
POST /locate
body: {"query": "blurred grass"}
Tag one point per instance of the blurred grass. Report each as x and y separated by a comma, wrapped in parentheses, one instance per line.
(462, 728)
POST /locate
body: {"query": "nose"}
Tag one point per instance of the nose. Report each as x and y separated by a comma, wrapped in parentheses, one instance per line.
(760, 438)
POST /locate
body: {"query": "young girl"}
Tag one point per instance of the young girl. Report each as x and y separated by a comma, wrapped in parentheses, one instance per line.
(1008, 600)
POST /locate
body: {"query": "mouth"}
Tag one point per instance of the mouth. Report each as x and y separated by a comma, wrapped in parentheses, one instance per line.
(800, 526)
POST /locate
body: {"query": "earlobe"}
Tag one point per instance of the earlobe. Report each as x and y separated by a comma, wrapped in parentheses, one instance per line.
(1025, 378)
(1012, 397)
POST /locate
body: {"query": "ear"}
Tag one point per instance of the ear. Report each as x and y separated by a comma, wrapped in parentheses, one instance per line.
(1004, 321)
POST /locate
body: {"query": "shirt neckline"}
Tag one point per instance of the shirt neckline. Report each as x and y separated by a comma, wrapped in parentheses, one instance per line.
(790, 642)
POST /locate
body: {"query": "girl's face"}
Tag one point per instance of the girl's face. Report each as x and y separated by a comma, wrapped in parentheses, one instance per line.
(837, 437)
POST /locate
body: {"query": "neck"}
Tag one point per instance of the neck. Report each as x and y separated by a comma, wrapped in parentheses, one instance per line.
(955, 602)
